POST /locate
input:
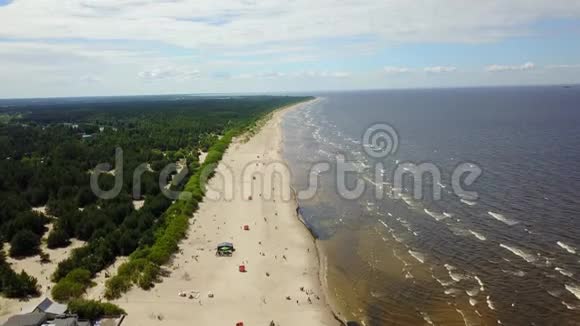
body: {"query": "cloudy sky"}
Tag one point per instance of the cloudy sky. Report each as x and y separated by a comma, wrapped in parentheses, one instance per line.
(113, 47)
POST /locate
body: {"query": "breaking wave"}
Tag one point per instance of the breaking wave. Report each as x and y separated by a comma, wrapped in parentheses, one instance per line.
(503, 219)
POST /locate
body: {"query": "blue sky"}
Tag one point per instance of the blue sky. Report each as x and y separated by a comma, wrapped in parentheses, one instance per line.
(114, 47)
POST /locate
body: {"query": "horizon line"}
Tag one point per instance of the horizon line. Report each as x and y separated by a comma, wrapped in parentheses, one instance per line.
(289, 93)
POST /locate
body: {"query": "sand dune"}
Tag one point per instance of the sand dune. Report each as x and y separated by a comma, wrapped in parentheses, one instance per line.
(33, 266)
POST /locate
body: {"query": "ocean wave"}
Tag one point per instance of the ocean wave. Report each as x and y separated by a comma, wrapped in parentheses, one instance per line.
(408, 201)
(555, 293)
(566, 247)
(417, 255)
(479, 236)
(370, 181)
(457, 277)
(520, 253)
(574, 289)
(397, 238)
(443, 283)
(503, 219)
(426, 318)
(405, 263)
(465, 320)
(452, 291)
(436, 216)
(570, 306)
(468, 202)
(517, 273)
(472, 302)
(490, 303)
(564, 272)
(473, 292)
(385, 225)
(447, 214)
(480, 282)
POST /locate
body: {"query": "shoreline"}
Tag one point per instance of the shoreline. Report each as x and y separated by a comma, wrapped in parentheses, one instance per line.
(286, 289)
(320, 257)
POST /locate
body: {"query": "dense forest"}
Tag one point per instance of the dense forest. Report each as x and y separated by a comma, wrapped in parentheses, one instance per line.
(48, 152)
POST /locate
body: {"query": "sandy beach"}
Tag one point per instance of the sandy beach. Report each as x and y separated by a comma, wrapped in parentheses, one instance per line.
(281, 282)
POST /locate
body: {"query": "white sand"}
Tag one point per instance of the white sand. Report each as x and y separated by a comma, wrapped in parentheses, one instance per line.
(277, 243)
(202, 157)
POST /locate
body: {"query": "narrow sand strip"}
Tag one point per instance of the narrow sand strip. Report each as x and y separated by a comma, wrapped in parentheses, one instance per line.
(281, 283)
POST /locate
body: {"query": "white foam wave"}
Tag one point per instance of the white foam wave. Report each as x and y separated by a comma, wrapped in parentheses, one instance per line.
(444, 283)
(490, 303)
(436, 216)
(449, 267)
(468, 202)
(473, 292)
(417, 255)
(465, 320)
(574, 289)
(517, 273)
(479, 236)
(564, 272)
(503, 219)
(570, 306)
(447, 214)
(452, 291)
(426, 318)
(472, 302)
(405, 264)
(555, 293)
(370, 181)
(480, 282)
(409, 201)
(566, 247)
(397, 238)
(520, 253)
(457, 276)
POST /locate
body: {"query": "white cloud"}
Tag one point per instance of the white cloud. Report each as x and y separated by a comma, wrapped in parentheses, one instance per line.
(300, 74)
(122, 40)
(574, 66)
(178, 73)
(503, 68)
(396, 70)
(440, 69)
(203, 23)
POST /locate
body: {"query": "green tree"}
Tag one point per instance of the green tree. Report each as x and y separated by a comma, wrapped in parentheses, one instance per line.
(58, 238)
(24, 243)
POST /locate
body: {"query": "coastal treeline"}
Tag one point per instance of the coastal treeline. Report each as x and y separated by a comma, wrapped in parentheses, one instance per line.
(49, 151)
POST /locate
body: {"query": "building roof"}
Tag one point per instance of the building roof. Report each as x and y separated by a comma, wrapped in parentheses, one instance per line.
(51, 307)
(70, 321)
(30, 319)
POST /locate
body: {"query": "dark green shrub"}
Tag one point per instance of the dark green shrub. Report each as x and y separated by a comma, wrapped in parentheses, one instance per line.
(93, 310)
(24, 243)
(58, 238)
